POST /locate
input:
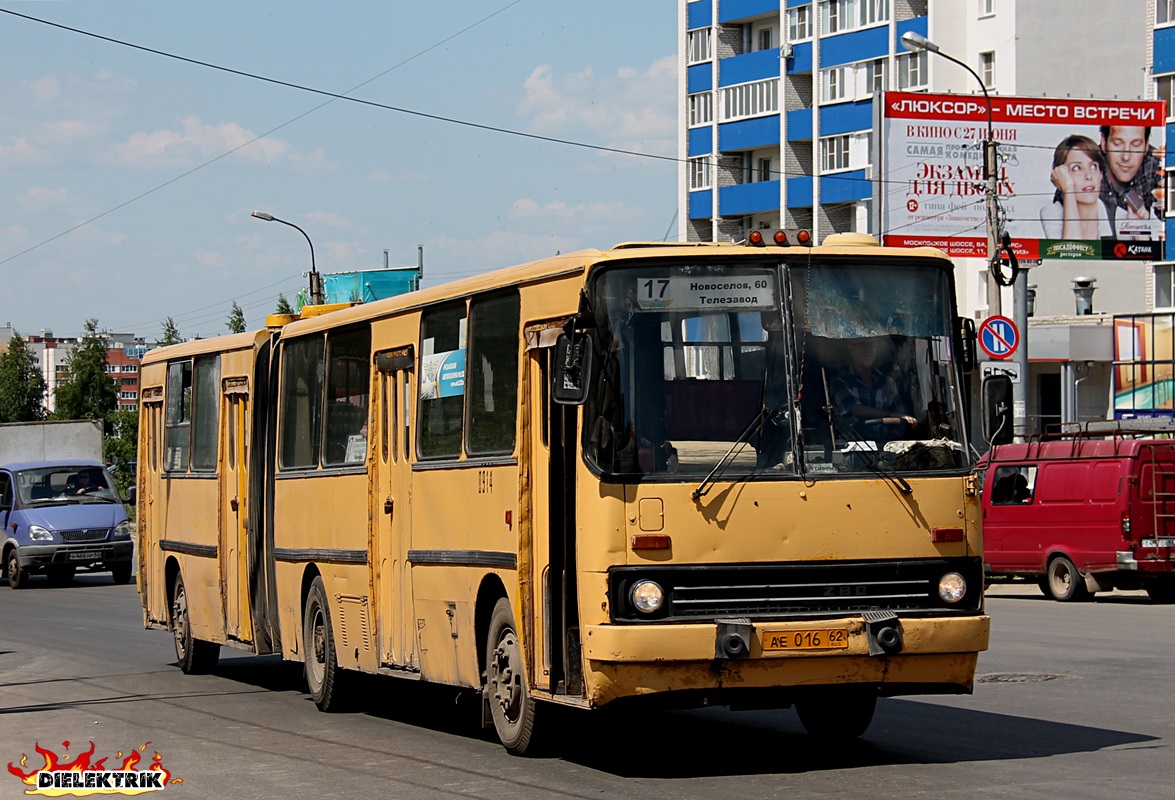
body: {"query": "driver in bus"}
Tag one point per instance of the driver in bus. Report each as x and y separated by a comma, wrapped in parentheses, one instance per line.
(868, 396)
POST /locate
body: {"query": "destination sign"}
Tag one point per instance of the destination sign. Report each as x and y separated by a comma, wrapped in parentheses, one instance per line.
(708, 293)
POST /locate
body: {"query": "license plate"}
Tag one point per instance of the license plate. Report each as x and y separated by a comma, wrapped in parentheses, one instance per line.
(807, 639)
(87, 555)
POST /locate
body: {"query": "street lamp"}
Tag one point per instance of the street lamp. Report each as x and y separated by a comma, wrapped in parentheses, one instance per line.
(915, 43)
(315, 279)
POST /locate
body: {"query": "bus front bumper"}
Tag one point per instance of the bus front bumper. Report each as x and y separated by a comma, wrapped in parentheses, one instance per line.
(935, 655)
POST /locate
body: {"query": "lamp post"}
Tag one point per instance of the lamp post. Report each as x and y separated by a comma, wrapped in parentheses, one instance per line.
(917, 43)
(316, 297)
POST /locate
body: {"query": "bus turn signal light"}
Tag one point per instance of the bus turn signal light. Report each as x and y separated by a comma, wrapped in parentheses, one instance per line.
(755, 238)
(651, 541)
(946, 534)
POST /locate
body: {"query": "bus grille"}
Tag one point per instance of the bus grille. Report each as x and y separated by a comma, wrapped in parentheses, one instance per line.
(86, 535)
(777, 591)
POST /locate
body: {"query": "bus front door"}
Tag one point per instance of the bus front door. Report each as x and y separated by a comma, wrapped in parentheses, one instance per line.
(554, 614)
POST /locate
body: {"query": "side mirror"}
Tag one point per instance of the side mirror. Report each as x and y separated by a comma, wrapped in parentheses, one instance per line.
(996, 403)
(965, 343)
(132, 496)
(573, 369)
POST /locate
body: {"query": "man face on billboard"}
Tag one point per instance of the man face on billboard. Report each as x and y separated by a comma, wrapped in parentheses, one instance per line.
(1125, 149)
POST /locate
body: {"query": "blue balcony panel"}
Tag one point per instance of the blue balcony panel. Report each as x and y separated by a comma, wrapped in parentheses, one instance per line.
(846, 117)
(1164, 50)
(701, 204)
(844, 187)
(799, 125)
(917, 24)
(799, 192)
(698, 15)
(795, 3)
(757, 66)
(747, 134)
(800, 62)
(701, 141)
(748, 198)
(699, 78)
(735, 10)
(849, 48)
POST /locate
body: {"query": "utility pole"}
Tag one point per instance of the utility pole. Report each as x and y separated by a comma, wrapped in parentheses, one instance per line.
(916, 42)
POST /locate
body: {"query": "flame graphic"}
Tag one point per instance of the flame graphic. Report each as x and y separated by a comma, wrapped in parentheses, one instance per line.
(82, 763)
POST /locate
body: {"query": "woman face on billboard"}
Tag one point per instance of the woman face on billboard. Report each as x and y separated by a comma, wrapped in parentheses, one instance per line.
(1077, 169)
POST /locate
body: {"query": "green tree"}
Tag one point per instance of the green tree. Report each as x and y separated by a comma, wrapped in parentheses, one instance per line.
(22, 386)
(171, 334)
(88, 392)
(236, 319)
(122, 447)
(283, 305)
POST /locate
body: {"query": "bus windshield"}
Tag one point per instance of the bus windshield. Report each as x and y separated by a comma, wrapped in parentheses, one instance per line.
(779, 370)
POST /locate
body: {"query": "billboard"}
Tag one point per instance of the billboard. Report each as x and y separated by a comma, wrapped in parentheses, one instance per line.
(1077, 179)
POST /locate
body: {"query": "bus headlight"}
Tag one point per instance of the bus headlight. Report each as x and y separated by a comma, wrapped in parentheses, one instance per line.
(647, 596)
(39, 534)
(952, 587)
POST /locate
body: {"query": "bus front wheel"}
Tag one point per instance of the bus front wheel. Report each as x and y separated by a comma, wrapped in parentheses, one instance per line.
(325, 680)
(837, 714)
(195, 657)
(511, 705)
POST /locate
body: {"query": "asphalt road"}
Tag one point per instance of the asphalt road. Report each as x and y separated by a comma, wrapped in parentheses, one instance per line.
(1073, 701)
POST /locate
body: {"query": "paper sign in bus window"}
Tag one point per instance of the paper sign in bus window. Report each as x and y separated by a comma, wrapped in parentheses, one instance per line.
(442, 375)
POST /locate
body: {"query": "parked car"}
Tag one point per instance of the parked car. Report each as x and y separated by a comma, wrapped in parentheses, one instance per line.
(62, 516)
(1082, 514)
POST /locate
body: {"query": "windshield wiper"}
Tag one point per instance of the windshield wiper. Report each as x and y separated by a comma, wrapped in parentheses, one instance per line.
(752, 428)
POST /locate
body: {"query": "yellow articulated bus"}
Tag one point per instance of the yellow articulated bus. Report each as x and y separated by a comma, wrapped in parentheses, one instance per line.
(687, 474)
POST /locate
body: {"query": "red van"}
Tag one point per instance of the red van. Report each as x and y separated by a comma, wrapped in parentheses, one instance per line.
(1082, 514)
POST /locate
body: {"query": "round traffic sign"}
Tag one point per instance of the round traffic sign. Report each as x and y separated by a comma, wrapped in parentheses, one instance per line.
(998, 337)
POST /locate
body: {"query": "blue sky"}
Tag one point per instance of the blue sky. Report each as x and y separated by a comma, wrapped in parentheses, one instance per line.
(88, 126)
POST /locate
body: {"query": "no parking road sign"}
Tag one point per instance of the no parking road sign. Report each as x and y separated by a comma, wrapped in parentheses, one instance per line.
(998, 337)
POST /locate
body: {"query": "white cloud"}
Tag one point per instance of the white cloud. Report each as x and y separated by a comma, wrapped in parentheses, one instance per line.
(329, 219)
(21, 153)
(558, 215)
(195, 141)
(630, 110)
(46, 88)
(36, 199)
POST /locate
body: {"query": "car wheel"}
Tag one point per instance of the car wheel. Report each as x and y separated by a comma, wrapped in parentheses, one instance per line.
(513, 709)
(121, 573)
(1065, 581)
(18, 577)
(195, 657)
(327, 683)
(1162, 590)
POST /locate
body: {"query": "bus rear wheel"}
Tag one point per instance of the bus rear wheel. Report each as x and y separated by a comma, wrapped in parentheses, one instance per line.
(511, 705)
(837, 714)
(195, 656)
(326, 682)
(1066, 584)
